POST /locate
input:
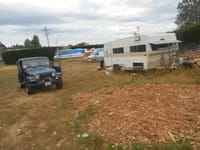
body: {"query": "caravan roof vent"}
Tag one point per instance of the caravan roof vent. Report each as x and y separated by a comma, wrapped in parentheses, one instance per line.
(162, 39)
(137, 37)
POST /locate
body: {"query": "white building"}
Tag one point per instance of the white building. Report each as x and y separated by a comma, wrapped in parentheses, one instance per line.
(141, 51)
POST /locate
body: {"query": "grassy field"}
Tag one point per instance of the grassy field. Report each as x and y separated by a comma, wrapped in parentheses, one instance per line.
(45, 120)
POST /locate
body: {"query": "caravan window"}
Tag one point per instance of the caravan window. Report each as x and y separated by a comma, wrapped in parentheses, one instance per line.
(118, 50)
(138, 65)
(138, 48)
(162, 46)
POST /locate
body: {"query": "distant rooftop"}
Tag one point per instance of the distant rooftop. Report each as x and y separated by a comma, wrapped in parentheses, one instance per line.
(2, 45)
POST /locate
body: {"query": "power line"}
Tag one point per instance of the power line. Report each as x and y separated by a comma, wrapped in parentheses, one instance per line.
(45, 30)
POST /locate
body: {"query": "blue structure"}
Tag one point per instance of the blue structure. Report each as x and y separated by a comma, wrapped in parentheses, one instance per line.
(69, 53)
(97, 54)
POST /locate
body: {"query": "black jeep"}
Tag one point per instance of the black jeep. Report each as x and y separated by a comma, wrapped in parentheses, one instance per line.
(35, 72)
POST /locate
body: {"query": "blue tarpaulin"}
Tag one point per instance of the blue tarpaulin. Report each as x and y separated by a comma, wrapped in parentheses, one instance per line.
(71, 51)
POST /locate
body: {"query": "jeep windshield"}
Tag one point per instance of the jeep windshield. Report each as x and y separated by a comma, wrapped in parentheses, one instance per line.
(35, 62)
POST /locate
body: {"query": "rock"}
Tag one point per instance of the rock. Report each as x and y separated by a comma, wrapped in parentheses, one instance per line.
(181, 135)
(60, 142)
(84, 135)
(54, 133)
(78, 135)
(185, 97)
(0, 127)
(96, 102)
(113, 146)
(19, 132)
(44, 130)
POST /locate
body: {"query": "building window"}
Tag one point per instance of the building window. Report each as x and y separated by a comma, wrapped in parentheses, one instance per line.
(138, 48)
(118, 50)
(162, 46)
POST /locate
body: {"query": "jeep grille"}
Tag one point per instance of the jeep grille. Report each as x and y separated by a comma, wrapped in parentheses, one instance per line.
(45, 76)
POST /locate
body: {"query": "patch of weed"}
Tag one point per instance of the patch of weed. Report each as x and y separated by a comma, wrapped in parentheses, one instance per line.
(115, 146)
(177, 146)
(109, 92)
(137, 146)
(79, 123)
(93, 142)
(66, 102)
(190, 119)
(89, 111)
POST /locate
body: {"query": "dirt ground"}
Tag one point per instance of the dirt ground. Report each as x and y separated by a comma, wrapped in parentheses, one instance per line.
(37, 121)
(44, 119)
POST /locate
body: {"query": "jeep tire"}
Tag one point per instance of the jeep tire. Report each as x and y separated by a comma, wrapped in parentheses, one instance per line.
(28, 89)
(59, 84)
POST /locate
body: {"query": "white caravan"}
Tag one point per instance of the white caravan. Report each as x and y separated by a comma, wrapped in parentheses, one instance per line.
(141, 52)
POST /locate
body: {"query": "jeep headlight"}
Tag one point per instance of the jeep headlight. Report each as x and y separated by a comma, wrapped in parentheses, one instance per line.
(53, 74)
(37, 76)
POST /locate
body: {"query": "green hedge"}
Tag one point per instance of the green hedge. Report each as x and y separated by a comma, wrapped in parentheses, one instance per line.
(189, 34)
(10, 57)
(89, 46)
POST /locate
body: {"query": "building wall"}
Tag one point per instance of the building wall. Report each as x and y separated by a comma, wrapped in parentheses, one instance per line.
(126, 61)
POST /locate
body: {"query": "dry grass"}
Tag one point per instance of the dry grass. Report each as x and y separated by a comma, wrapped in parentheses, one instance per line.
(44, 120)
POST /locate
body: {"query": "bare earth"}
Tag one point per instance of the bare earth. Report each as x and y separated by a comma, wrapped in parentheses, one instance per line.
(144, 113)
(149, 113)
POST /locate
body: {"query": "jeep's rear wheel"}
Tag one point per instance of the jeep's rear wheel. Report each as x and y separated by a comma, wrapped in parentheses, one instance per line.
(28, 89)
(59, 84)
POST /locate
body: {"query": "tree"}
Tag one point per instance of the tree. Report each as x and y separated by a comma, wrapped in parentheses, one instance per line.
(35, 43)
(188, 13)
(27, 43)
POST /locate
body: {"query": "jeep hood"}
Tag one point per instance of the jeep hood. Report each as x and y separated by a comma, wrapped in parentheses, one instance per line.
(39, 70)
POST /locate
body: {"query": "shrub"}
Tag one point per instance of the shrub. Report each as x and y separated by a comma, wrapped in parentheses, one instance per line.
(189, 34)
(11, 57)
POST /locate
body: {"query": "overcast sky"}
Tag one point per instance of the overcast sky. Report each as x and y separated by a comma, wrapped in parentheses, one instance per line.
(74, 21)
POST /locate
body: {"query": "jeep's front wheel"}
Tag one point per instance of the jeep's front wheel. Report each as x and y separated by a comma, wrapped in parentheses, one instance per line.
(28, 89)
(59, 84)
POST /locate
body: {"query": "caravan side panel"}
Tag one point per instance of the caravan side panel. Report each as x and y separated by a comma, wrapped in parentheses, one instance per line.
(127, 61)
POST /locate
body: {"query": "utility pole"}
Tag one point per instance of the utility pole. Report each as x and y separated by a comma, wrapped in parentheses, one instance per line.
(46, 34)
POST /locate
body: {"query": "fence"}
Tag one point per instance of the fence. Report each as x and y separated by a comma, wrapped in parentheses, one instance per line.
(189, 47)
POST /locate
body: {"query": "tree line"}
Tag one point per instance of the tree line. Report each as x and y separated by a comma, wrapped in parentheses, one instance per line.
(188, 21)
(34, 43)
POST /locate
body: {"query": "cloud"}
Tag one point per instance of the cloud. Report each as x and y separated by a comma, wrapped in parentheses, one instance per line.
(88, 20)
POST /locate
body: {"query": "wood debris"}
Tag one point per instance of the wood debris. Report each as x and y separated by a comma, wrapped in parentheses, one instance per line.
(145, 113)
